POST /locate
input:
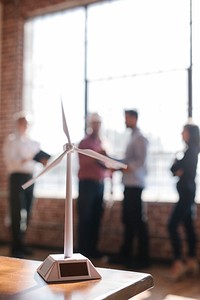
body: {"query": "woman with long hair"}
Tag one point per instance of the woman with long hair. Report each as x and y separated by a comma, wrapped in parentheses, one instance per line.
(183, 212)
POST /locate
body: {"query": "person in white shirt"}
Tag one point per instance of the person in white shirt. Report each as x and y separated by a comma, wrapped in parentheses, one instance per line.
(18, 153)
(134, 217)
(133, 210)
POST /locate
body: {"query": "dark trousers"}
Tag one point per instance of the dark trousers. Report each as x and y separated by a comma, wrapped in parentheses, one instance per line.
(90, 209)
(19, 199)
(183, 214)
(135, 225)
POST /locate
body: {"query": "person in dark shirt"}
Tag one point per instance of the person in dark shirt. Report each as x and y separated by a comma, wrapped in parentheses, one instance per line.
(185, 170)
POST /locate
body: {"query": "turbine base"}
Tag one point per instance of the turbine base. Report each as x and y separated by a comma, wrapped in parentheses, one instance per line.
(75, 268)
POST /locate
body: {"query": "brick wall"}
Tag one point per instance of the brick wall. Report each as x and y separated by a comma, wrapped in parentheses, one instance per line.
(46, 226)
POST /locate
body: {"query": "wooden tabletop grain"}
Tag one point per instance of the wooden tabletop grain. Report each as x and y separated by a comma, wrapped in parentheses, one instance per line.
(19, 280)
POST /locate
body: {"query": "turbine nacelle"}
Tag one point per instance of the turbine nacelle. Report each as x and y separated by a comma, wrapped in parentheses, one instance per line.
(68, 147)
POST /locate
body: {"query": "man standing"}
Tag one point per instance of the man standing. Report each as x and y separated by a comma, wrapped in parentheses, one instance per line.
(133, 215)
(91, 176)
(19, 152)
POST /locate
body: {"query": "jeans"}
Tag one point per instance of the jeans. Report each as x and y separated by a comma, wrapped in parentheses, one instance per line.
(19, 199)
(90, 211)
(135, 224)
(183, 214)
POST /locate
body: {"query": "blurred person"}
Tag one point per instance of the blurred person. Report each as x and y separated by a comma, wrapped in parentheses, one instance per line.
(19, 152)
(183, 213)
(91, 177)
(133, 212)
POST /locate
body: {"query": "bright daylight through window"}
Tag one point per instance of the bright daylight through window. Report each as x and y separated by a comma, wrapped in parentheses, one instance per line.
(112, 56)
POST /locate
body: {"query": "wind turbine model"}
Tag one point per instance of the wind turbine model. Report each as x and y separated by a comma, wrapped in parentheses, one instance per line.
(69, 266)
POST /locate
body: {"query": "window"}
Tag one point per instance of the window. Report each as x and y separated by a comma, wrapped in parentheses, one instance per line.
(54, 69)
(137, 56)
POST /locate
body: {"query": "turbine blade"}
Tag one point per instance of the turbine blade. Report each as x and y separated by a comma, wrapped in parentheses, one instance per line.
(46, 169)
(113, 163)
(65, 127)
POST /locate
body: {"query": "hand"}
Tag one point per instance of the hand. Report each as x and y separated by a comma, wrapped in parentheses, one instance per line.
(111, 170)
(126, 170)
(179, 173)
(103, 152)
(44, 161)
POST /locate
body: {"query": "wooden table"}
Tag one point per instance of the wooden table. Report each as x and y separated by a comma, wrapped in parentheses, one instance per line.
(19, 280)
